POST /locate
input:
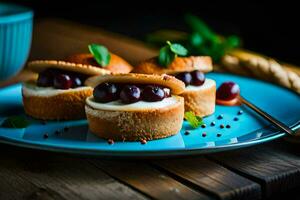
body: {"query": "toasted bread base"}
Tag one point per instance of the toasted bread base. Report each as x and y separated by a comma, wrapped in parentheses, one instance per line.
(180, 64)
(136, 125)
(64, 106)
(116, 64)
(201, 102)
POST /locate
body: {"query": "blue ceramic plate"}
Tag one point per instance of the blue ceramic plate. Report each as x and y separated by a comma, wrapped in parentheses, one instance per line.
(249, 129)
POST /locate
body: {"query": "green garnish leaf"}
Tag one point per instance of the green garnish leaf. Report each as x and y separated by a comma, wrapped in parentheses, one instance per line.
(233, 41)
(199, 26)
(15, 122)
(196, 39)
(194, 121)
(166, 56)
(100, 53)
(169, 52)
(177, 49)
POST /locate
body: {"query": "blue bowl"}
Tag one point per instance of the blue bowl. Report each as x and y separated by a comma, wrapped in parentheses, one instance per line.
(15, 38)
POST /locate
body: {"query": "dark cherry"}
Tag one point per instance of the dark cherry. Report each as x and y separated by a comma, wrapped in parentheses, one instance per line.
(185, 77)
(153, 93)
(76, 82)
(228, 91)
(62, 81)
(198, 78)
(167, 92)
(45, 79)
(106, 92)
(130, 94)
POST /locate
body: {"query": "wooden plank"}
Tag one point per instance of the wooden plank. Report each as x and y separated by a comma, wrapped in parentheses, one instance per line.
(276, 170)
(70, 178)
(64, 38)
(13, 186)
(148, 180)
(205, 174)
(45, 194)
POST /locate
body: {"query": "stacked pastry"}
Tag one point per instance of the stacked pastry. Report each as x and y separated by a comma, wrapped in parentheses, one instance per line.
(200, 92)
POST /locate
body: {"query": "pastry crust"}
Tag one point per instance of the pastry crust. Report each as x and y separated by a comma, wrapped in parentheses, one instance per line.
(68, 105)
(171, 82)
(41, 65)
(116, 64)
(136, 125)
(180, 64)
(201, 102)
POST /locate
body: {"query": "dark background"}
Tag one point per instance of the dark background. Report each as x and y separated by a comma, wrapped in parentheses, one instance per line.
(266, 27)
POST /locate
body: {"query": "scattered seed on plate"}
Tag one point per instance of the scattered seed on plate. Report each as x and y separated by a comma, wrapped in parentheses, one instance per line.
(236, 119)
(222, 126)
(228, 126)
(143, 141)
(213, 123)
(219, 135)
(46, 136)
(203, 134)
(220, 117)
(240, 112)
(110, 141)
(203, 125)
(187, 132)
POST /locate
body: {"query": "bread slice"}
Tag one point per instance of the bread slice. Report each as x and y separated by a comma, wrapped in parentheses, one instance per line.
(116, 64)
(180, 64)
(201, 99)
(138, 124)
(61, 105)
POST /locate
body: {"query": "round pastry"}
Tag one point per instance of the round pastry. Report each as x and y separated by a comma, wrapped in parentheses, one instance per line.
(59, 92)
(200, 92)
(135, 106)
(116, 64)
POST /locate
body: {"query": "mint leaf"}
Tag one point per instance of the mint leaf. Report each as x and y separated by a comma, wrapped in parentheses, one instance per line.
(193, 120)
(169, 52)
(196, 39)
(199, 26)
(166, 56)
(15, 122)
(177, 49)
(100, 53)
(233, 41)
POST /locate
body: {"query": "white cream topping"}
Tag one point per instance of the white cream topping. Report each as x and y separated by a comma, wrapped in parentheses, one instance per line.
(140, 105)
(30, 89)
(207, 84)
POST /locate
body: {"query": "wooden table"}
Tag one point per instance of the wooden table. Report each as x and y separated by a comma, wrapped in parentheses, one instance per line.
(264, 171)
